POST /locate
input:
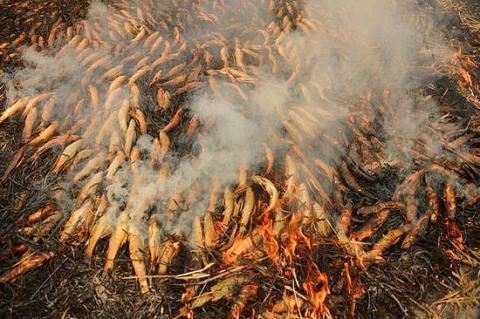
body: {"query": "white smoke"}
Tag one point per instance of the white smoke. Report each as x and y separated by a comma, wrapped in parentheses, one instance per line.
(320, 77)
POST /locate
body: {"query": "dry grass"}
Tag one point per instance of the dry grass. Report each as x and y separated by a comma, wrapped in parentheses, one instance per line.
(422, 282)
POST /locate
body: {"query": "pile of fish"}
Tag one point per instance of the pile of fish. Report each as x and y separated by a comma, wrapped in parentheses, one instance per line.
(147, 106)
(34, 23)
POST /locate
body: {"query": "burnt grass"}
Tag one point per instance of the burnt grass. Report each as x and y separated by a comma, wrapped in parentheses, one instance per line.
(67, 287)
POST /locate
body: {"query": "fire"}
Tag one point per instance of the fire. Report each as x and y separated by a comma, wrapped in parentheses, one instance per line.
(270, 244)
(466, 76)
(354, 288)
(470, 62)
(186, 296)
(316, 287)
(295, 237)
(220, 228)
(330, 135)
(240, 246)
(454, 234)
(464, 63)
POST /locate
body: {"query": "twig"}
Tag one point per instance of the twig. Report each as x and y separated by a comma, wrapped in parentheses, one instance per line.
(184, 276)
(404, 310)
(46, 280)
(296, 299)
(226, 273)
(299, 294)
(424, 308)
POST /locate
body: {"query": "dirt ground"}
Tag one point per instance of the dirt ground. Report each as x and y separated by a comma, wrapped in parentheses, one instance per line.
(421, 282)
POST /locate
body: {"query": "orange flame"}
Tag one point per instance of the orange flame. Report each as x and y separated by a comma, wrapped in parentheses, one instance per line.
(186, 311)
(269, 242)
(354, 288)
(470, 62)
(240, 246)
(348, 278)
(295, 236)
(466, 76)
(220, 228)
(316, 288)
(454, 234)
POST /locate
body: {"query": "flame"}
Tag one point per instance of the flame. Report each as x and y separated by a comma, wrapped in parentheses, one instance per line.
(295, 237)
(269, 242)
(466, 76)
(185, 311)
(470, 62)
(454, 234)
(189, 291)
(354, 288)
(241, 246)
(464, 64)
(348, 278)
(220, 228)
(316, 288)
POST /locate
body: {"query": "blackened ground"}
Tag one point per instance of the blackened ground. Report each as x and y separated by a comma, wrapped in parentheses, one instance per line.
(422, 282)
